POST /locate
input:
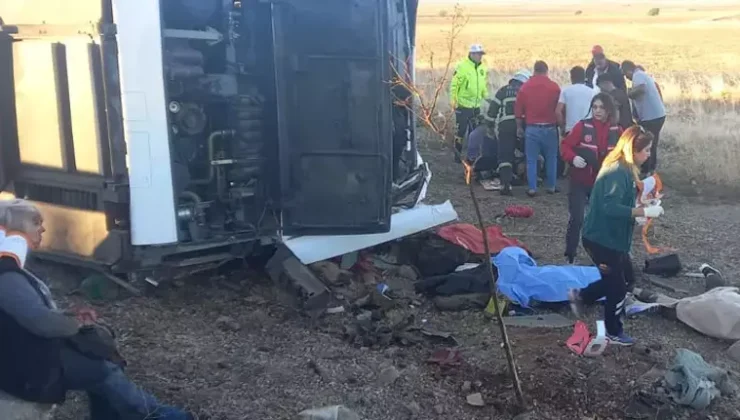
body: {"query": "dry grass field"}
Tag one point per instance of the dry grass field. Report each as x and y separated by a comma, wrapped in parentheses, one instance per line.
(691, 50)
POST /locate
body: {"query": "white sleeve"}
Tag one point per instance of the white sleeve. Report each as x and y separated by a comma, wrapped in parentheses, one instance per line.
(562, 96)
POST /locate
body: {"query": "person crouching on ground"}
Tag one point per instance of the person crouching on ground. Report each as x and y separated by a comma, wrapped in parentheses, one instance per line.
(46, 352)
(585, 147)
(501, 118)
(608, 229)
(480, 158)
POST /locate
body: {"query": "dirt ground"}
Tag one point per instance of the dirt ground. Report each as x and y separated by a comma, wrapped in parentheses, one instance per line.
(270, 362)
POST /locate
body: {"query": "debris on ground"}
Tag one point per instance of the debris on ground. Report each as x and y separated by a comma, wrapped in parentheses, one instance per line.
(336, 412)
(547, 320)
(695, 383)
(445, 357)
(476, 400)
(227, 323)
(388, 375)
(734, 351)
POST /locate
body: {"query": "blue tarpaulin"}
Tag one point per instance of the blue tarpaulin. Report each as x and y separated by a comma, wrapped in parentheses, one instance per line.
(521, 280)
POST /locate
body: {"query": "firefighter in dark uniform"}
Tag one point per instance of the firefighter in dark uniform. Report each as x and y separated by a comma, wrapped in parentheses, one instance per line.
(585, 148)
(501, 118)
(468, 89)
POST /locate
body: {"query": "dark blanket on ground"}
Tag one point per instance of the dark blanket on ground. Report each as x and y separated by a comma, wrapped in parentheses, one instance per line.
(474, 280)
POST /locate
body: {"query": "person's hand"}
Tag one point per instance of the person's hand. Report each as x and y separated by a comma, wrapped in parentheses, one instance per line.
(653, 211)
(85, 316)
(579, 162)
(520, 132)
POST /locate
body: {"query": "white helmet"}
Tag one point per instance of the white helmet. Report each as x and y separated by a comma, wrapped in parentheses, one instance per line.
(476, 49)
(522, 75)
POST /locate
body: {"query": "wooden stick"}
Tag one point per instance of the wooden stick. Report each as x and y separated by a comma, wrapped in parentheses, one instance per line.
(492, 285)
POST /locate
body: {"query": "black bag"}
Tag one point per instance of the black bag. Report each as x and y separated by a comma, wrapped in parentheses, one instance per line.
(666, 265)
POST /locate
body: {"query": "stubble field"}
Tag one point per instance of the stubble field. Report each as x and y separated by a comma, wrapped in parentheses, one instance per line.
(691, 50)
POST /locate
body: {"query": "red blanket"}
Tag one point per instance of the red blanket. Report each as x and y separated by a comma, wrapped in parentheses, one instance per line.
(470, 238)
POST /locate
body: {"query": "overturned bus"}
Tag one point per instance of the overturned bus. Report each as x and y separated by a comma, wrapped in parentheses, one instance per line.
(160, 135)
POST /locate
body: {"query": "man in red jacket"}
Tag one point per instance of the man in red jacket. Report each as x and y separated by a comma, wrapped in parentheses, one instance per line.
(585, 148)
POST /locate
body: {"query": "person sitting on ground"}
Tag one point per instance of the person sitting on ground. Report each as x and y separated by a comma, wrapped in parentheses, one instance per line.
(585, 148)
(480, 160)
(46, 352)
(624, 107)
(601, 65)
(536, 122)
(609, 226)
(649, 108)
(501, 118)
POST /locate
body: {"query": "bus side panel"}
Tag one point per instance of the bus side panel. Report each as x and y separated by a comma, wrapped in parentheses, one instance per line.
(140, 60)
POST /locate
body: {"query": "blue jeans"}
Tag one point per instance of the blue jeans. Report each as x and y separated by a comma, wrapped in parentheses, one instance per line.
(541, 140)
(112, 395)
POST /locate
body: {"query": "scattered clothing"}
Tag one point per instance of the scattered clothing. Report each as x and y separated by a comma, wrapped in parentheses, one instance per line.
(592, 74)
(694, 382)
(470, 238)
(536, 101)
(465, 282)
(715, 313)
(519, 211)
(577, 100)
(522, 281)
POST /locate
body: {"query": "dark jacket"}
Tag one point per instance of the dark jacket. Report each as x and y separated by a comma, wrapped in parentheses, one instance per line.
(609, 220)
(500, 113)
(624, 106)
(592, 140)
(612, 68)
(30, 365)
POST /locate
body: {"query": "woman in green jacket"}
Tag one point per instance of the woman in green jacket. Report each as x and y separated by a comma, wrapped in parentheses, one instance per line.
(609, 225)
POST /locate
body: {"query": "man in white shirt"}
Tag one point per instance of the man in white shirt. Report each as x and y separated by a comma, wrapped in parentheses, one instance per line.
(649, 108)
(575, 101)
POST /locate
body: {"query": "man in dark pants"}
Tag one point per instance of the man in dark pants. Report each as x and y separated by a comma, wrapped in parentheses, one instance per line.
(468, 89)
(649, 108)
(601, 65)
(502, 119)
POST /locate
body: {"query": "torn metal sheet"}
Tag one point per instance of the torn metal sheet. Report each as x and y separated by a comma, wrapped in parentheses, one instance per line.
(313, 248)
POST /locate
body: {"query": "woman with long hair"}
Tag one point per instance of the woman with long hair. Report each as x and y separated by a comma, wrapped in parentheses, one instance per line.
(609, 225)
(45, 351)
(585, 148)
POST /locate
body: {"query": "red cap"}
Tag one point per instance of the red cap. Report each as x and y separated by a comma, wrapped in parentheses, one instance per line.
(597, 50)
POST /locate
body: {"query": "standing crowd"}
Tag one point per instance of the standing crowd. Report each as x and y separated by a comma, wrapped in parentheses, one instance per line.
(603, 134)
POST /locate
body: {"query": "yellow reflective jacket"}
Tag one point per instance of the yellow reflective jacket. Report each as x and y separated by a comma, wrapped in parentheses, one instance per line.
(469, 86)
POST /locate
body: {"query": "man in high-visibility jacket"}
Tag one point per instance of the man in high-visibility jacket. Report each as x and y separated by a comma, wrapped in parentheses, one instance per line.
(468, 90)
